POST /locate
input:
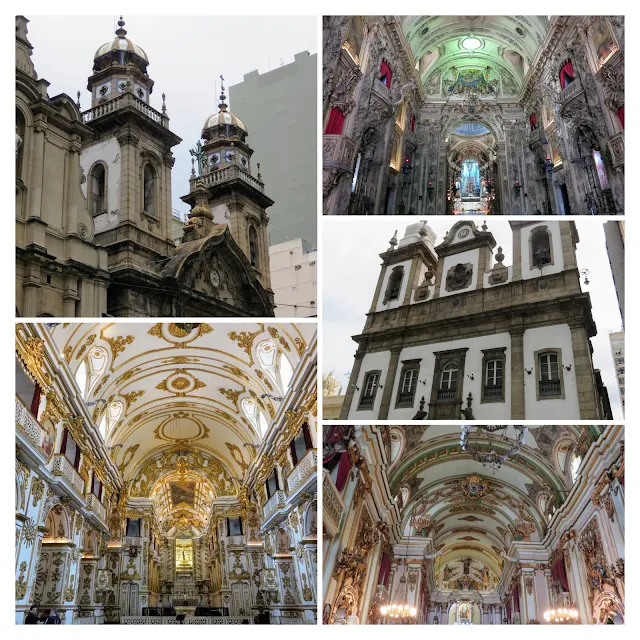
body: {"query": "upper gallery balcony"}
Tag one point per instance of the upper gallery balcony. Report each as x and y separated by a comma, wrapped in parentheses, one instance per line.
(304, 469)
(29, 426)
(125, 101)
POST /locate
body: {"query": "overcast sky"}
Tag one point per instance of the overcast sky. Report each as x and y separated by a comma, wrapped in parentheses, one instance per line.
(186, 55)
(352, 246)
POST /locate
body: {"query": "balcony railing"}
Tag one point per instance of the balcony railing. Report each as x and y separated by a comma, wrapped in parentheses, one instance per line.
(97, 507)
(550, 387)
(305, 468)
(28, 425)
(277, 500)
(405, 399)
(446, 395)
(332, 505)
(570, 91)
(366, 402)
(62, 467)
(231, 173)
(121, 102)
(492, 392)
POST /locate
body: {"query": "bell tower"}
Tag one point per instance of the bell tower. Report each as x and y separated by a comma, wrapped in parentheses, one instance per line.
(233, 194)
(127, 167)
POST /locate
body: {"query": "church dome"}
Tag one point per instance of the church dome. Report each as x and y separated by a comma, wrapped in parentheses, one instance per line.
(121, 43)
(226, 120)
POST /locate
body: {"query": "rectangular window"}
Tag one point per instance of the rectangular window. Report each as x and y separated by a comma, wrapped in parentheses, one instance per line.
(96, 487)
(493, 370)
(369, 390)
(234, 526)
(70, 450)
(272, 484)
(301, 444)
(549, 375)
(408, 383)
(133, 527)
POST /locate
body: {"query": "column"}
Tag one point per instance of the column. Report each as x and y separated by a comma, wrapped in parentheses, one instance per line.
(389, 383)
(351, 387)
(585, 380)
(37, 167)
(371, 581)
(518, 405)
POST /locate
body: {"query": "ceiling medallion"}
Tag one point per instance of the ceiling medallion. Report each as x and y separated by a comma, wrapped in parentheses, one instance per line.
(179, 333)
(474, 486)
(181, 382)
(471, 43)
(487, 453)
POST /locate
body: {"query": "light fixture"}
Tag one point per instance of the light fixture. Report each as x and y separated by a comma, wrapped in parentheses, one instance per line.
(399, 611)
(471, 43)
(585, 273)
(492, 457)
(562, 615)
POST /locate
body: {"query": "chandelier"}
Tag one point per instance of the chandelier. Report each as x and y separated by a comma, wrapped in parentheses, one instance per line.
(399, 611)
(492, 457)
(562, 615)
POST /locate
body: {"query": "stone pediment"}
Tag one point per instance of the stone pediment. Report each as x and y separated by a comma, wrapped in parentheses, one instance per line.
(214, 267)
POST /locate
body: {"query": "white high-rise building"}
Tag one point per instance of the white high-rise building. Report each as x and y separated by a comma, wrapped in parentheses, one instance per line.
(617, 351)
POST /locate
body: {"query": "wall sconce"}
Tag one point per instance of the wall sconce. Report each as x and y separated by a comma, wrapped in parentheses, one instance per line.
(529, 371)
(430, 186)
(517, 185)
(424, 381)
(585, 273)
(566, 367)
(470, 376)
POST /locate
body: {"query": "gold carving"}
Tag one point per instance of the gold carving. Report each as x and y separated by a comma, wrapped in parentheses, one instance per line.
(273, 332)
(245, 340)
(117, 345)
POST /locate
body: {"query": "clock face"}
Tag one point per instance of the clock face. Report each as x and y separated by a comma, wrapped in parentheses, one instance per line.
(463, 233)
(229, 156)
(243, 161)
(214, 159)
(214, 276)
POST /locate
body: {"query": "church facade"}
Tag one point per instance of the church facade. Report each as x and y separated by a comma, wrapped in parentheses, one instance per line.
(166, 470)
(451, 336)
(435, 115)
(422, 527)
(95, 232)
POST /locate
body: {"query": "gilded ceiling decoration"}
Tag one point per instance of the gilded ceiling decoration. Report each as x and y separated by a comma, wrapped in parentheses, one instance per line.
(180, 383)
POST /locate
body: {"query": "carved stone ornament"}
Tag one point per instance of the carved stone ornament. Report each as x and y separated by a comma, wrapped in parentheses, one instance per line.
(459, 277)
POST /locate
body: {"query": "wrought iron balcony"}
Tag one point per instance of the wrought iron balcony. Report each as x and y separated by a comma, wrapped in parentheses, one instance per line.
(62, 467)
(405, 399)
(366, 402)
(491, 392)
(446, 395)
(570, 91)
(97, 507)
(332, 505)
(305, 468)
(550, 387)
(28, 425)
(275, 502)
(124, 101)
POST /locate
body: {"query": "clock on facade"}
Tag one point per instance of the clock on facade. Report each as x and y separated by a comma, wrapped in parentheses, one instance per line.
(463, 233)
(214, 276)
(229, 155)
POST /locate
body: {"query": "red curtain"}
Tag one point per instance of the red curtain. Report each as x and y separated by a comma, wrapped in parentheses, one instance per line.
(35, 403)
(562, 574)
(566, 74)
(385, 570)
(413, 123)
(385, 73)
(344, 466)
(336, 122)
(307, 436)
(621, 115)
(533, 121)
(516, 599)
(332, 436)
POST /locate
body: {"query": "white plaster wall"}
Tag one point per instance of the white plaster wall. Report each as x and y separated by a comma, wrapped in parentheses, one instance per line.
(220, 214)
(393, 304)
(527, 272)
(473, 364)
(371, 362)
(472, 256)
(487, 285)
(109, 152)
(553, 337)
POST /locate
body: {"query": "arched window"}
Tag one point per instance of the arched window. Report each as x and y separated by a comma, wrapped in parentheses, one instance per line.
(97, 190)
(267, 352)
(149, 190)
(250, 409)
(286, 372)
(540, 247)
(114, 413)
(533, 122)
(20, 133)
(576, 461)
(264, 425)
(103, 427)
(253, 247)
(81, 378)
(449, 377)
(385, 74)
(96, 366)
(394, 283)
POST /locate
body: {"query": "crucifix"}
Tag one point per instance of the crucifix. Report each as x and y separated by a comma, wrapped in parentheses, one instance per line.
(199, 155)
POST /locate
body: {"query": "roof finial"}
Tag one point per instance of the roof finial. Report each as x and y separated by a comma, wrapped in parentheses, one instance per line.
(193, 167)
(164, 106)
(78, 101)
(121, 32)
(222, 106)
(259, 174)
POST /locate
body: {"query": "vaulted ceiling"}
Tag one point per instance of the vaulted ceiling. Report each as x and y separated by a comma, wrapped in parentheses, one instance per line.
(507, 44)
(172, 394)
(470, 512)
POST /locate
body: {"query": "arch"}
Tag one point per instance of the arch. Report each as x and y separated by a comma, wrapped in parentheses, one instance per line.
(310, 528)
(449, 376)
(97, 361)
(607, 606)
(394, 284)
(283, 541)
(89, 544)
(58, 524)
(540, 247)
(149, 189)
(253, 246)
(97, 188)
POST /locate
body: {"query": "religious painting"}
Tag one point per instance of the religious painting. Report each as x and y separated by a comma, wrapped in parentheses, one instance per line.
(468, 81)
(183, 492)
(555, 151)
(49, 438)
(602, 174)
(603, 39)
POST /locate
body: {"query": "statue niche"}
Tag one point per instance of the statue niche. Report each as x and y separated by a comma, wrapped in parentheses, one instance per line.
(459, 277)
